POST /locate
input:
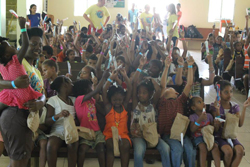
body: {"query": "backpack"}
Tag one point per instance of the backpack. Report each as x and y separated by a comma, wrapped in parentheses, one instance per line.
(192, 32)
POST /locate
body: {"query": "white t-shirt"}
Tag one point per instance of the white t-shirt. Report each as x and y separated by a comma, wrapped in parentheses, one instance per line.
(57, 128)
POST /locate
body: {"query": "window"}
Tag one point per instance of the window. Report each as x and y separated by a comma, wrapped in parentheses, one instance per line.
(80, 6)
(220, 9)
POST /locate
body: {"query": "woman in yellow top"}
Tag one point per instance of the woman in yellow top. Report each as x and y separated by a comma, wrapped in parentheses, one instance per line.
(172, 26)
(146, 19)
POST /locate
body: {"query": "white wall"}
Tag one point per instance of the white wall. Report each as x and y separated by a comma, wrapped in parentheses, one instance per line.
(38, 3)
(3, 17)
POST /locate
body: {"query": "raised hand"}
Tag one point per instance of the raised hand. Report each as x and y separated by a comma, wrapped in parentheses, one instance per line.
(168, 61)
(143, 60)
(247, 103)
(22, 22)
(190, 60)
(180, 61)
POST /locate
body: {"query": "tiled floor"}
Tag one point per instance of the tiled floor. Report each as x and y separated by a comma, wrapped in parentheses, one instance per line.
(243, 133)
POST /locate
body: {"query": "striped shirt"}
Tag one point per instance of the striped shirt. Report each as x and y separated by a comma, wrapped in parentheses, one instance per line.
(247, 58)
(168, 109)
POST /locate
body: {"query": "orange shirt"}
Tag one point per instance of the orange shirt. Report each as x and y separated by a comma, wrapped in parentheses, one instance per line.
(120, 120)
(60, 57)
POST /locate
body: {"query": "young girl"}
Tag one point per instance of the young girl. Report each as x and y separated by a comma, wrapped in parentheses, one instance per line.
(116, 101)
(210, 39)
(232, 156)
(199, 83)
(58, 107)
(70, 56)
(199, 120)
(10, 68)
(144, 111)
(169, 105)
(86, 114)
(50, 70)
(85, 73)
(34, 18)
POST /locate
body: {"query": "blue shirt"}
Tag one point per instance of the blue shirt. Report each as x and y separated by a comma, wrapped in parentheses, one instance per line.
(34, 20)
(133, 15)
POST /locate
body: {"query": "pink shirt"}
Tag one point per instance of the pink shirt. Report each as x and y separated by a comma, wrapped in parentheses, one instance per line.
(86, 113)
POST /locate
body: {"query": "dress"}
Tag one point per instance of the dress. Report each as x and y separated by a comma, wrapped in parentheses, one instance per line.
(120, 120)
(57, 128)
(16, 97)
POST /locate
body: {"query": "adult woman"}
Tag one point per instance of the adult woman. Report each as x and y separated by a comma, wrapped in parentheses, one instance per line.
(34, 18)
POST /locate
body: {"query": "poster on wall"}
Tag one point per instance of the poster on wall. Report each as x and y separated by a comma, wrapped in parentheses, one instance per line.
(115, 3)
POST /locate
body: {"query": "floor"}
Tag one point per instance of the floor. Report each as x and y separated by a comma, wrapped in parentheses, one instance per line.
(243, 132)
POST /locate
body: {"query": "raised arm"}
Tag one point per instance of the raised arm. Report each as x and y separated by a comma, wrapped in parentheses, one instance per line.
(106, 87)
(129, 87)
(190, 78)
(25, 40)
(157, 93)
(178, 77)
(185, 49)
(247, 30)
(165, 75)
(98, 88)
(211, 72)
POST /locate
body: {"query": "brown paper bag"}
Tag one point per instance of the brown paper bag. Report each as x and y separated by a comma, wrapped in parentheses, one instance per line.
(179, 126)
(33, 121)
(70, 131)
(230, 126)
(208, 136)
(86, 133)
(150, 134)
(115, 135)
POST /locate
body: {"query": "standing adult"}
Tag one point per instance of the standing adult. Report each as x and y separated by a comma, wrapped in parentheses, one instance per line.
(157, 23)
(132, 16)
(172, 27)
(13, 121)
(97, 14)
(146, 18)
(34, 18)
(179, 12)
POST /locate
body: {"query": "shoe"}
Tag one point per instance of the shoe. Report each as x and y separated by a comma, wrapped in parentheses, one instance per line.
(150, 161)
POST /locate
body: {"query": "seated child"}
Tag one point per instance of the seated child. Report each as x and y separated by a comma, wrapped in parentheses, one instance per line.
(232, 156)
(116, 102)
(199, 120)
(168, 107)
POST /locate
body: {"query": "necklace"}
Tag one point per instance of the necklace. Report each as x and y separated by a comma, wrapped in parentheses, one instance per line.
(117, 122)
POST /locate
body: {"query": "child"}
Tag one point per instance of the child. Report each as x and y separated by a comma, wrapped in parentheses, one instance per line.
(70, 56)
(86, 114)
(58, 107)
(85, 73)
(10, 68)
(50, 72)
(92, 61)
(48, 52)
(168, 107)
(34, 18)
(199, 120)
(144, 111)
(232, 156)
(116, 102)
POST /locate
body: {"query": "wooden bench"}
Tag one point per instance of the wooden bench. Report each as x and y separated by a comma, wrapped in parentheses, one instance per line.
(195, 43)
(75, 69)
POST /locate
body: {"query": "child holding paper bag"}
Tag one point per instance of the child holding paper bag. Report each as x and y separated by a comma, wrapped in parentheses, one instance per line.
(199, 120)
(232, 156)
(169, 105)
(59, 107)
(86, 114)
(144, 113)
(116, 102)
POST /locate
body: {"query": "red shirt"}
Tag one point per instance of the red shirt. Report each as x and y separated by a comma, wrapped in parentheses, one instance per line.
(168, 109)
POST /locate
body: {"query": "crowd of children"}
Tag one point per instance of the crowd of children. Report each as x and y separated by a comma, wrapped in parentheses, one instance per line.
(142, 85)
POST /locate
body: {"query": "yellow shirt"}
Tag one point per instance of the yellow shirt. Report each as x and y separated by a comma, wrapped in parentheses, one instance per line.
(36, 80)
(147, 19)
(171, 20)
(96, 15)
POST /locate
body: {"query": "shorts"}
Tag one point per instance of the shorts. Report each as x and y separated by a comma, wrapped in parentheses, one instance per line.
(100, 138)
(221, 142)
(41, 136)
(16, 134)
(198, 140)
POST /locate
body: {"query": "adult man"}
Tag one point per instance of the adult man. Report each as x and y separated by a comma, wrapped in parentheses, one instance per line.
(146, 18)
(132, 15)
(97, 14)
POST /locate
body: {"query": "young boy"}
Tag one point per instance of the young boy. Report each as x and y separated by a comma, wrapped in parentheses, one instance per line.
(48, 52)
(92, 61)
(169, 105)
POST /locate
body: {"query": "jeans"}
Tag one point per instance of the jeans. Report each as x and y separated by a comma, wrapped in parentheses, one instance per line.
(140, 145)
(177, 151)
